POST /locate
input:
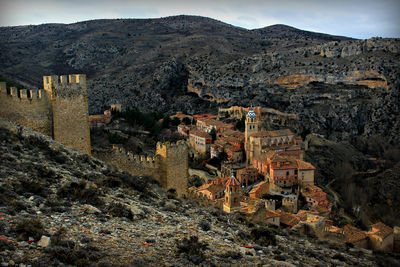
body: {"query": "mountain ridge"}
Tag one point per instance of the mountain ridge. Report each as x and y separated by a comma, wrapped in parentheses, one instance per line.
(195, 64)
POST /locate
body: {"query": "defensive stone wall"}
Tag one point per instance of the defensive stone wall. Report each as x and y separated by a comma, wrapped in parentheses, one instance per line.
(30, 108)
(59, 111)
(170, 165)
(133, 164)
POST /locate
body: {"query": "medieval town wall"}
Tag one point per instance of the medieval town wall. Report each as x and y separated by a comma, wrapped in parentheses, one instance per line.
(59, 111)
(169, 167)
(30, 108)
(133, 164)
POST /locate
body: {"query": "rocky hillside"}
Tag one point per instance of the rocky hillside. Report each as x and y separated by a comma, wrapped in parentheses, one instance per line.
(339, 86)
(59, 207)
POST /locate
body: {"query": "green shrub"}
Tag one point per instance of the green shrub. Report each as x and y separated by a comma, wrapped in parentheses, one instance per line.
(263, 236)
(193, 248)
(116, 139)
(30, 227)
(204, 225)
(119, 210)
(79, 191)
(171, 194)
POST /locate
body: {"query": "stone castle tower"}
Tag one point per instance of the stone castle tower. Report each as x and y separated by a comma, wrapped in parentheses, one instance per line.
(174, 166)
(169, 166)
(59, 111)
(70, 110)
(232, 195)
(251, 127)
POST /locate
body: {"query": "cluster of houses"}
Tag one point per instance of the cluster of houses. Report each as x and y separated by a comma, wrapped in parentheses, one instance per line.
(265, 177)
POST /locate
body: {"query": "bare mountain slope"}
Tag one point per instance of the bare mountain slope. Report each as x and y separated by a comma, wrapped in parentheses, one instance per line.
(340, 86)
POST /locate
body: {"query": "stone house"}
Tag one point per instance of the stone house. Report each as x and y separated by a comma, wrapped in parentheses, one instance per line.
(200, 141)
(212, 191)
(316, 198)
(287, 219)
(207, 124)
(355, 236)
(284, 171)
(259, 190)
(183, 129)
(381, 237)
(100, 119)
(261, 214)
(247, 175)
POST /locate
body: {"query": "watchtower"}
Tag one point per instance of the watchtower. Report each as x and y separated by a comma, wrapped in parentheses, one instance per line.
(174, 166)
(69, 103)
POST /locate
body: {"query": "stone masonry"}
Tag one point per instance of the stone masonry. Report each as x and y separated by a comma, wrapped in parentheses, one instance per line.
(169, 166)
(59, 111)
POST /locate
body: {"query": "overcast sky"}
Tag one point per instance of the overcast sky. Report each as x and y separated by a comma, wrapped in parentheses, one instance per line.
(353, 18)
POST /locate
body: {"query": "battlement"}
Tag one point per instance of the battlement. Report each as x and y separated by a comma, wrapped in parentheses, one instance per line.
(135, 160)
(180, 145)
(22, 94)
(60, 110)
(289, 200)
(50, 81)
(270, 204)
(65, 86)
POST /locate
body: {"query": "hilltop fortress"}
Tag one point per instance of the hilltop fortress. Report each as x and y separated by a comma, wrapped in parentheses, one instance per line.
(59, 110)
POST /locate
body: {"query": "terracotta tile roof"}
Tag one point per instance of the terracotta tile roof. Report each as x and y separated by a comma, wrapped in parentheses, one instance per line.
(353, 234)
(294, 148)
(302, 165)
(334, 229)
(302, 214)
(271, 214)
(204, 186)
(213, 188)
(321, 209)
(232, 181)
(282, 163)
(380, 229)
(270, 154)
(283, 132)
(288, 219)
(200, 134)
(204, 116)
(275, 133)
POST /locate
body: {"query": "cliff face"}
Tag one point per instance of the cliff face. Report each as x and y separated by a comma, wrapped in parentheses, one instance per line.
(196, 64)
(339, 89)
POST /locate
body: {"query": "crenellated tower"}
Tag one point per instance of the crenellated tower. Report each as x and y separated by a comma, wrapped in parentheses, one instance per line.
(69, 102)
(174, 166)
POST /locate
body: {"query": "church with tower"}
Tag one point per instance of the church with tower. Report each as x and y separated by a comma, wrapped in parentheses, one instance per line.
(232, 195)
